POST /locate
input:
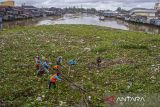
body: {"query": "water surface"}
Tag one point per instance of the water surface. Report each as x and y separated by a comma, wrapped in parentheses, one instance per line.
(84, 19)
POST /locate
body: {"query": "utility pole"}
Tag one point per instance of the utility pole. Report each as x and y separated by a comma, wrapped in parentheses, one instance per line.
(81, 8)
(1, 21)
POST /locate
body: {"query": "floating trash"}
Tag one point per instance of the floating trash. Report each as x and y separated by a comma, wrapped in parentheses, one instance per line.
(62, 103)
(39, 99)
(87, 49)
(89, 98)
(72, 62)
(153, 77)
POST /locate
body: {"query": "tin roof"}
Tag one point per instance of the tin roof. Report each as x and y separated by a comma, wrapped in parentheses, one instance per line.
(144, 10)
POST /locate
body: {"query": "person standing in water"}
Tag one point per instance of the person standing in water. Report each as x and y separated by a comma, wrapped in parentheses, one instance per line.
(98, 61)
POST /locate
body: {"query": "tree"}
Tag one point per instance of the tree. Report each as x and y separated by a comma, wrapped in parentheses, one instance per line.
(119, 9)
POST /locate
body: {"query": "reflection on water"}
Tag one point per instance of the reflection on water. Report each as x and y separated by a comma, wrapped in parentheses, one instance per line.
(140, 27)
(13, 24)
(84, 19)
(91, 20)
(30, 22)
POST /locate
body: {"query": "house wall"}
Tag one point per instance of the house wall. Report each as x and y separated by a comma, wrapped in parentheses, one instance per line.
(157, 6)
(144, 14)
(7, 3)
(0, 19)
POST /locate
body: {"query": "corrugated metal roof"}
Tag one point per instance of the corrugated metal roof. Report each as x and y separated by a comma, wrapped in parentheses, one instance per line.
(143, 10)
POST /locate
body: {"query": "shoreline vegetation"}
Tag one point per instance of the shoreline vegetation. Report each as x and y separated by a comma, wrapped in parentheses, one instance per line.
(127, 58)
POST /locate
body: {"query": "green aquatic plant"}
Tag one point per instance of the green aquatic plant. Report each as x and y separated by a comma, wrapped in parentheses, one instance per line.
(126, 55)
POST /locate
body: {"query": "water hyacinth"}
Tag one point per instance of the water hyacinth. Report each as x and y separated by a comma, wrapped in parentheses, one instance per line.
(85, 44)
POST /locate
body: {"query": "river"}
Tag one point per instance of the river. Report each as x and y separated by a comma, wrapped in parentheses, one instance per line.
(84, 19)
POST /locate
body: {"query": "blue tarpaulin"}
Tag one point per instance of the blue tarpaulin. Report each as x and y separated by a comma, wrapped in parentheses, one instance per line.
(72, 62)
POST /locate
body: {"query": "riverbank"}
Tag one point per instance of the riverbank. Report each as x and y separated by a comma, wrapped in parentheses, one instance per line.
(127, 57)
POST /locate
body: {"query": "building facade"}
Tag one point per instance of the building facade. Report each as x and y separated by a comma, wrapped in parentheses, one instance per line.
(149, 13)
(109, 13)
(1, 22)
(157, 6)
(7, 3)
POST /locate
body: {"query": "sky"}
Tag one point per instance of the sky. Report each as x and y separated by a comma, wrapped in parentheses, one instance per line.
(98, 4)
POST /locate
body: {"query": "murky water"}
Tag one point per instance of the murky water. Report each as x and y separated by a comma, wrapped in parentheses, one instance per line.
(84, 19)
